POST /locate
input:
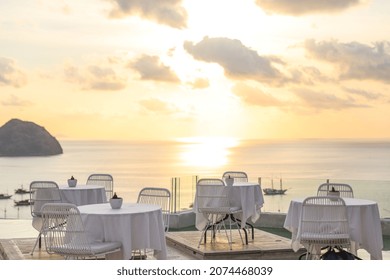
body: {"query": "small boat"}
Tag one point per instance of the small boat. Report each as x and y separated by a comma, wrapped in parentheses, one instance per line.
(5, 196)
(23, 202)
(272, 191)
(21, 190)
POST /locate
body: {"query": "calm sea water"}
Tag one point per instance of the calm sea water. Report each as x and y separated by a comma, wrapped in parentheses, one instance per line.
(303, 165)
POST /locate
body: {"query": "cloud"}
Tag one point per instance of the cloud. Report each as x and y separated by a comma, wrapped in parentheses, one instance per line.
(256, 97)
(14, 101)
(307, 75)
(199, 83)
(354, 60)
(94, 78)
(364, 93)
(158, 106)
(151, 68)
(323, 101)
(10, 74)
(238, 61)
(167, 12)
(302, 7)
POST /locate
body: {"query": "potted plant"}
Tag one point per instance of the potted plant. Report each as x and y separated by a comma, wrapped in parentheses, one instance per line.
(116, 202)
(72, 182)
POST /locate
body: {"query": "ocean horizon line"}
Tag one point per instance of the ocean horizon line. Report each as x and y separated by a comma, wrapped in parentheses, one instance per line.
(180, 139)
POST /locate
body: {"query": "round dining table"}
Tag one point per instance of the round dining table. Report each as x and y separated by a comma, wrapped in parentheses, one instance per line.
(137, 226)
(244, 195)
(83, 194)
(364, 225)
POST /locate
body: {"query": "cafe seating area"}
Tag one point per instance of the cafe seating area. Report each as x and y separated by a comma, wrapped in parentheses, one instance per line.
(225, 210)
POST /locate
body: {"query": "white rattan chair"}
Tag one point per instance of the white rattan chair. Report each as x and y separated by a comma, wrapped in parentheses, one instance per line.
(211, 182)
(41, 192)
(157, 196)
(64, 234)
(105, 180)
(213, 202)
(239, 176)
(345, 190)
(323, 222)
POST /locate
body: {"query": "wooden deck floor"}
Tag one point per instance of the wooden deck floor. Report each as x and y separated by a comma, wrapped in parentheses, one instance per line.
(181, 245)
(264, 246)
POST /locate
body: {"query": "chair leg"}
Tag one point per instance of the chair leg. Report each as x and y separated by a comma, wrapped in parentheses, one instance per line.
(252, 230)
(37, 242)
(239, 232)
(313, 252)
(203, 235)
(227, 236)
(238, 223)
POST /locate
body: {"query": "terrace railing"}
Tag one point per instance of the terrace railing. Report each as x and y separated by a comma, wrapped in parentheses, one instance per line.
(183, 191)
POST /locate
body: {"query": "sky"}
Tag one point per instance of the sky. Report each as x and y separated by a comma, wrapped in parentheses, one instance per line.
(169, 69)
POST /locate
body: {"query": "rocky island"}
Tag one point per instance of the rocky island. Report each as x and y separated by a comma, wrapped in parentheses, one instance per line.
(22, 138)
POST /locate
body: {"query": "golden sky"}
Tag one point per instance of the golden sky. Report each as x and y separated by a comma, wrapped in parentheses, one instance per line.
(164, 69)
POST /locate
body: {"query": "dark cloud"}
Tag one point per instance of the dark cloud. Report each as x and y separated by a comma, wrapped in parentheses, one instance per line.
(151, 68)
(354, 60)
(95, 78)
(308, 100)
(324, 101)
(308, 75)
(10, 74)
(167, 12)
(256, 97)
(301, 7)
(366, 94)
(238, 61)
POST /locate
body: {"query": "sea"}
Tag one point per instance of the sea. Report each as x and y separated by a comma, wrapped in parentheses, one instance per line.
(299, 166)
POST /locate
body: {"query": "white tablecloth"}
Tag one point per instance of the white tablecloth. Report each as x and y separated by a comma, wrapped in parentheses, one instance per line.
(136, 226)
(364, 224)
(83, 194)
(247, 196)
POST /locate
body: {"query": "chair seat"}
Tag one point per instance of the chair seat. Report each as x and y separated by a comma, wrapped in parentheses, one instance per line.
(224, 210)
(97, 248)
(101, 247)
(328, 238)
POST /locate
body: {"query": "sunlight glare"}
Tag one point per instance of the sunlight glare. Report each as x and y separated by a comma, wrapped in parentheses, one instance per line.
(206, 151)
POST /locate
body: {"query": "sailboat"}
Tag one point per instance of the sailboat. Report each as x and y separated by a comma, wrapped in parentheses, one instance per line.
(5, 196)
(21, 190)
(23, 202)
(273, 191)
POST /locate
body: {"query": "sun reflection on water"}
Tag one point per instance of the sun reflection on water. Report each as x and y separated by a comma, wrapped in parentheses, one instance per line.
(206, 151)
